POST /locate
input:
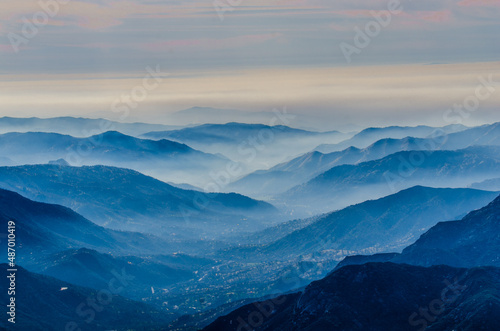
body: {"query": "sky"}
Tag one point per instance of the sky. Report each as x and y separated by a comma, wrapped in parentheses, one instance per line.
(361, 62)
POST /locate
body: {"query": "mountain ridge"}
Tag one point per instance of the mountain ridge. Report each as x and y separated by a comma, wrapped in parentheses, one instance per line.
(132, 201)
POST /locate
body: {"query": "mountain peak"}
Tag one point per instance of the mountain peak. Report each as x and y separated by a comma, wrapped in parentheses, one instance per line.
(60, 162)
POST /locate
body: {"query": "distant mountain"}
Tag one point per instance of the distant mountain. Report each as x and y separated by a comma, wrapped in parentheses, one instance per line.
(380, 296)
(284, 176)
(486, 135)
(45, 304)
(384, 225)
(369, 136)
(231, 133)
(163, 159)
(348, 184)
(204, 115)
(127, 200)
(185, 187)
(60, 162)
(256, 145)
(5, 161)
(77, 127)
(43, 229)
(487, 185)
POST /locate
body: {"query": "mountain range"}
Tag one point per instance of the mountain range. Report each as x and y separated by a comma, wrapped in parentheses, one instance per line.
(201, 115)
(44, 229)
(122, 226)
(131, 201)
(256, 145)
(286, 175)
(384, 225)
(345, 185)
(487, 185)
(77, 127)
(163, 159)
(369, 136)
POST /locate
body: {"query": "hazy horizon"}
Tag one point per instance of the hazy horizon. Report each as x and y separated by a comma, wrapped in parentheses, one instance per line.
(369, 63)
(342, 96)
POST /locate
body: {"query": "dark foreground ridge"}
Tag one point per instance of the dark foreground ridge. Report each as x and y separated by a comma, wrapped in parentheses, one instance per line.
(380, 297)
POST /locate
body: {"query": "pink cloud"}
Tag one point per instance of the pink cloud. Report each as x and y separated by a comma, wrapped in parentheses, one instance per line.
(469, 3)
(6, 49)
(98, 15)
(190, 44)
(101, 45)
(435, 16)
(356, 13)
(211, 44)
(338, 27)
(410, 19)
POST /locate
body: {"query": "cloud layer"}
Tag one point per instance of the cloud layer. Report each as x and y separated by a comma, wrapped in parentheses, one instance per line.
(115, 34)
(375, 95)
(253, 54)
